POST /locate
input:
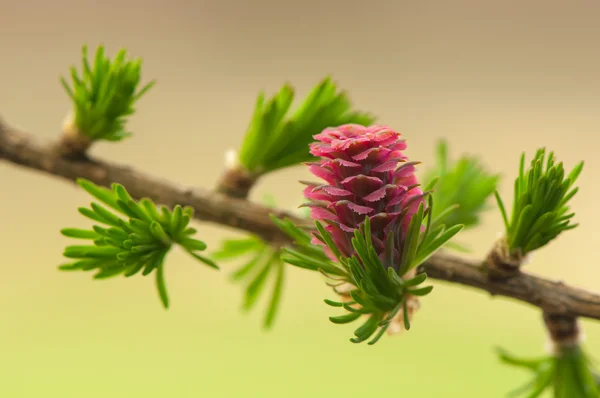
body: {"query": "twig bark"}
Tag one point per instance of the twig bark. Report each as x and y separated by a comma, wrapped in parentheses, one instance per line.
(23, 149)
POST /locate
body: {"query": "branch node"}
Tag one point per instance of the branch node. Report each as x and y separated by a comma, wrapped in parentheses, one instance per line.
(73, 144)
(501, 263)
(237, 181)
(564, 331)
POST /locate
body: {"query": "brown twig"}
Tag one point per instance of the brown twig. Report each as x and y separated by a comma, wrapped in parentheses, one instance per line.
(25, 150)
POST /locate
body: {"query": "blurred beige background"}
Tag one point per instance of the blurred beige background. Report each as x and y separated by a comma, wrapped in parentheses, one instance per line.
(494, 78)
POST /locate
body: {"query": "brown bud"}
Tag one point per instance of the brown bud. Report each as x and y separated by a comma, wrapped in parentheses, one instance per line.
(564, 331)
(73, 143)
(236, 182)
(501, 263)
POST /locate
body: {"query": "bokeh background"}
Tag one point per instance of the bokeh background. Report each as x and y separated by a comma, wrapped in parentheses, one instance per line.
(493, 77)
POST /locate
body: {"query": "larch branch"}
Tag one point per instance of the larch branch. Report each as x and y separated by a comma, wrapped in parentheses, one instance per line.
(24, 149)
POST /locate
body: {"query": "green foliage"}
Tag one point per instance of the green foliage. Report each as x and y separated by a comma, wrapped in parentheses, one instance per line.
(275, 140)
(137, 243)
(105, 94)
(379, 291)
(261, 261)
(540, 211)
(568, 375)
(464, 183)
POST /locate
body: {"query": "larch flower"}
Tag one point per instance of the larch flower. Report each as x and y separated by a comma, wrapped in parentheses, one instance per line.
(366, 174)
(374, 228)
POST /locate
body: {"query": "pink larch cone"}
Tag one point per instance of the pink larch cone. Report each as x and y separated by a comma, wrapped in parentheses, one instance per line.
(366, 174)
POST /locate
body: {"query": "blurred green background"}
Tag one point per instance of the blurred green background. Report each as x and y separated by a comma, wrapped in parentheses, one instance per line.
(494, 78)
